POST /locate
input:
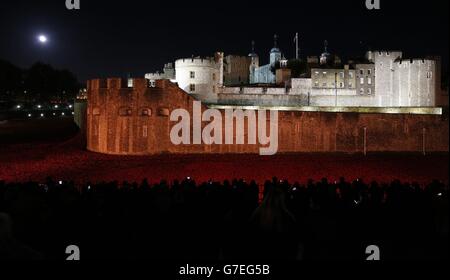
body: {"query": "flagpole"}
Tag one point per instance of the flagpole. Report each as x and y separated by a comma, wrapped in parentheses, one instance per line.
(296, 45)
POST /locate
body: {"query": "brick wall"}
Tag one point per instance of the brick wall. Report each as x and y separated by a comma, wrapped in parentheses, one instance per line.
(116, 124)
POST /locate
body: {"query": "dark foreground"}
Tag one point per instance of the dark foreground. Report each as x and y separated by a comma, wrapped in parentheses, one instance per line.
(289, 218)
(224, 221)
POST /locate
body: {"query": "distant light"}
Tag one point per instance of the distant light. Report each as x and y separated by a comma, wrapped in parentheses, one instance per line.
(29, 115)
(42, 115)
(62, 114)
(73, 113)
(56, 106)
(439, 194)
(54, 114)
(60, 182)
(39, 106)
(18, 106)
(42, 39)
(70, 106)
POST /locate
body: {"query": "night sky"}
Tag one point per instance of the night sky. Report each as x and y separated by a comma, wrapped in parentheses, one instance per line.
(114, 38)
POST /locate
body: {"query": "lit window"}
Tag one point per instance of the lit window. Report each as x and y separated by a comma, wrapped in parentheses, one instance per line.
(192, 74)
(324, 73)
(192, 87)
(130, 82)
(361, 81)
(317, 72)
(316, 84)
(164, 112)
(96, 112)
(369, 72)
(125, 112)
(342, 74)
(152, 83)
(144, 131)
(351, 75)
(369, 81)
(146, 112)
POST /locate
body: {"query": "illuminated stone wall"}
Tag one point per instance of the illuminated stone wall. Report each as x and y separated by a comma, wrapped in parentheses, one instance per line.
(135, 121)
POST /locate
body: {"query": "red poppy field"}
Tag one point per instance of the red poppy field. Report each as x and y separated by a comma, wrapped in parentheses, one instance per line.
(63, 157)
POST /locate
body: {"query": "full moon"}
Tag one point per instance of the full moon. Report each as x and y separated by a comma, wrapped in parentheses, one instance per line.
(42, 38)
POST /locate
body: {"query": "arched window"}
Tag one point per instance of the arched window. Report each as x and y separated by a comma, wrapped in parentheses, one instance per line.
(96, 111)
(146, 112)
(163, 112)
(125, 111)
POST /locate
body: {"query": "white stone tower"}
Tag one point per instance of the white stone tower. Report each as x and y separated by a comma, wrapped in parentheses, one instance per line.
(254, 63)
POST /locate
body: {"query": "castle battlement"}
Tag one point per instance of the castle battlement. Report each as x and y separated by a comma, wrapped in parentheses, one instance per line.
(388, 53)
(415, 61)
(189, 62)
(124, 84)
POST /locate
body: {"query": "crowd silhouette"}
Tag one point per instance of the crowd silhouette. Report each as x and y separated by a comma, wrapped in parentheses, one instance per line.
(231, 220)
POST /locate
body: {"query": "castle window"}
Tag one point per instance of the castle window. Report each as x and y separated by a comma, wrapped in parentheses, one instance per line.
(361, 81)
(324, 73)
(192, 74)
(369, 72)
(429, 75)
(317, 73)
(369, 81)
(130, 83)
(341, 74)
(144, 131)
(146, 112)
(96, 111)
(361, 91)
(369, 91)
(214, 76)
(351, 74)
(192, 87)
(341, 84)
(316, 83)
(124, 112)
(152, 83)
(350, 85)
(361, 72)
(163, 112)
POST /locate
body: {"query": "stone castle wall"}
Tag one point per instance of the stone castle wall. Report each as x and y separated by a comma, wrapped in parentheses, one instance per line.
(136, 121)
